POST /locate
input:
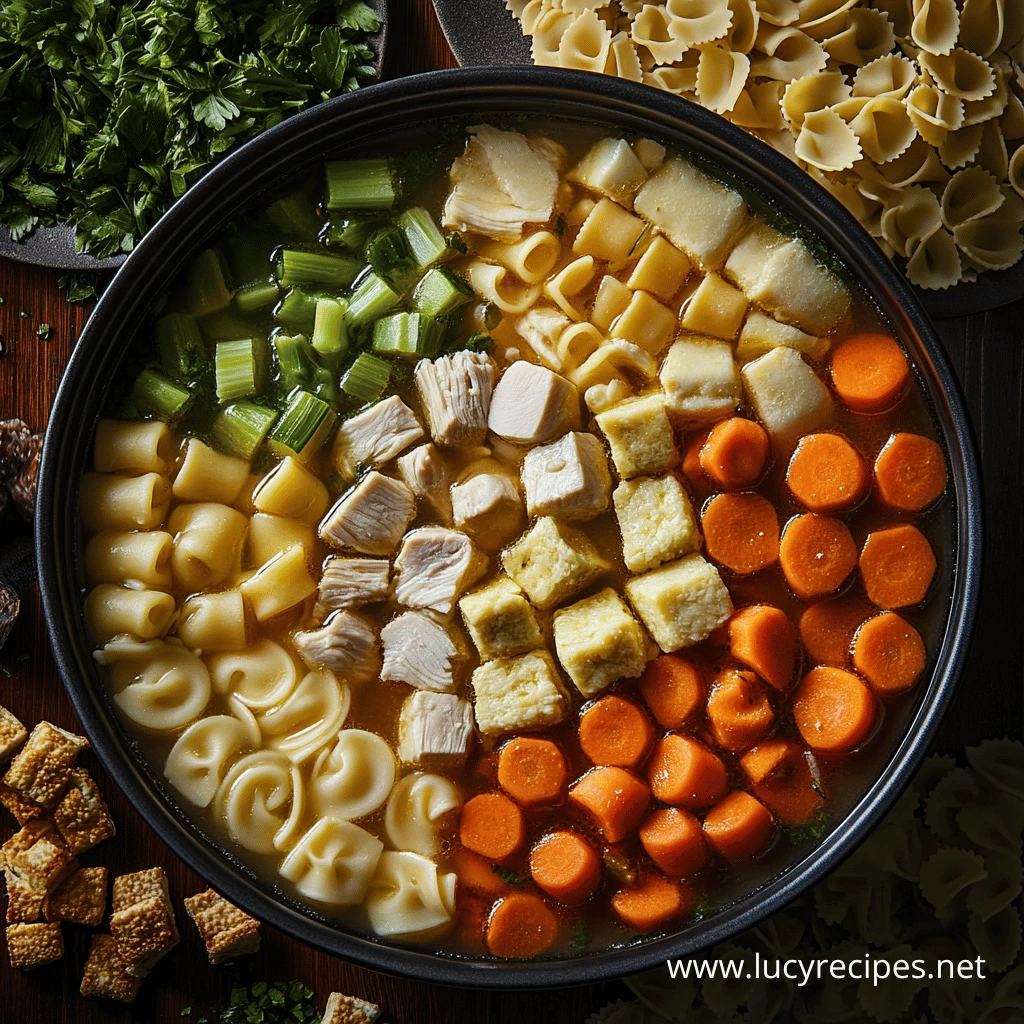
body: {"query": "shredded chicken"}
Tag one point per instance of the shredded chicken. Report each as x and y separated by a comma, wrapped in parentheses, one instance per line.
(428, 474)
(350, 582)
(434, 566)
(346, 643)
(422, 651)
(435, 729)
(374, 436)
(371, 517)
(456, 394)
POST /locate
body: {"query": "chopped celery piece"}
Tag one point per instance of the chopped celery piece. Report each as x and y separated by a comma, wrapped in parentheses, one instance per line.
(207, 290)
(423, 235)
(367, 378)
(180, 346)
(372, 299)
(241, 428)
(408, 334)
(257, 296)
(240, 367)
(225, 325)
(440, 291)
(156, 393)
(317, 269)
(389, 254)
(303, 426)
(295, 216)
(350, 232)
(297, 312)
(359, 185)
(479, 342)
(330, 331)
(300, 367)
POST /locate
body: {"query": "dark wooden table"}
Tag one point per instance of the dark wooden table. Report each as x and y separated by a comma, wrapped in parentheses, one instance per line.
(988, 355)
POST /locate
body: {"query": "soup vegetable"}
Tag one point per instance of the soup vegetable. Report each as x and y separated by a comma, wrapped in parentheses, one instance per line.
(502, 548)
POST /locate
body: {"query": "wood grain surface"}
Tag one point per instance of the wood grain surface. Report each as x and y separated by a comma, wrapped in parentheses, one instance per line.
(986, 352)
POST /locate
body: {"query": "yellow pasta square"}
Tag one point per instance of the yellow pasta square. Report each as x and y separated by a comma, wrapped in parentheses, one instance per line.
(612, 299)
(609, 233)
(662, 269)
(646, 323)
(716, 309)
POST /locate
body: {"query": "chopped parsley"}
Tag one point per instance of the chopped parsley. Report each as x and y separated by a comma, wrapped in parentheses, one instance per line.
(507, 875)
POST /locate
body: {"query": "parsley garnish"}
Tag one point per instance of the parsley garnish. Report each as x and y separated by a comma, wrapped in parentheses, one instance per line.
(78, 285)
(560, 226)
(278, 1003)
(45, 332)
(580, 938)
(507, 875)
(814, 829)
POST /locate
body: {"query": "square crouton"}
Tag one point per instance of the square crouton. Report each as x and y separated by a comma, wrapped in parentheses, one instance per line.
(24, 901)
(144, 932)
(32, 945)
(434, 729)
(22, 809)
(656, 520)
(599, 642)
(552, 562)
(701, 381)
(12, 734)
(681, 603)
(715, 308)
(42, 767)
(81, 898)
(82, 816)
(227, 931)
(106, 976)
(514, 694)
(38, 855)
(500, 620)
(640, 436)
(138, 886)
(349, 1010)
(568, 478)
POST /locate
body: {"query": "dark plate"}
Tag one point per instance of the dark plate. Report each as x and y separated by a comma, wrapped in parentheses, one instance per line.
(406, 108)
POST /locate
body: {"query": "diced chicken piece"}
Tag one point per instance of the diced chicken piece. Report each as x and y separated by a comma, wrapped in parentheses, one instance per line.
(787, 396)
(600, 397)
(639, 435)
(422, 651)
(541, 327)
(611, 168)
(514, 694)
(456, 395)
(532, 405)
(374, 436)
(500, 620)
(428, 474)
(502, 182)
(761, 334)
(750, 253)
(700, 215)
(680, 603)
(372, 517)
(486, 503)
(656, 520)
(701, 381)
(435, 729)
(346, 644)
(434, 567)
(569, 478)
(351, 582)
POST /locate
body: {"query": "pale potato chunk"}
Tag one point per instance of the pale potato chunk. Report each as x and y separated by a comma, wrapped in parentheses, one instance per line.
(513, 694)
(639, 435)
(650, 153)
(715, 308)
(612, 299)
(787, 395)
(681, 603)
(761, 334)
(747, 259)
(598, 642)
(701, 381)
(646, 323)
(611, 168)
(500, 620)
(609, 233)
(661, 270)
(552, 562)
(700, 215)
(531, 404)
(656, 520)
(568, 478)
(486, 503)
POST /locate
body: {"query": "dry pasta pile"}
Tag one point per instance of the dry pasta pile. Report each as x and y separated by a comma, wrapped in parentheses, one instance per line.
(908, 111)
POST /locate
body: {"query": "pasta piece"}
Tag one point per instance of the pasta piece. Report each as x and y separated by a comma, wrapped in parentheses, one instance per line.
(261, 801)
(354, 778)
(577, 343)
(827, 142)
(652, 29)
(899, 13)
(778, 12)
(995, 822)
(213, 622)
(758, 106)
(947, 872)
(891, 75)
(615, 359)
(495, 285)
(261, 676)
(914, 217)
(207, 475)
(585, 44)
(409, 899)
(112, 502)
(309, 718)
(268, 536)
(645, 322)
(960, 73)
(884, 129)
(936, 25)
(969, 194)
(207, 544)
(541, 328)
(761, 334)
(991, 242)
(679, 78)
(623, 61)
(934, 113)
(610, 232)
(981, 25)
(279, 584)
(611, 300)
(1001, 763)
(814, 92)
(991, 106)
(531, 260)
(992, 155)
(934, 263)
(786, 53)
(130, 556)
(1012, 121)
(960, 147)
(743, 30)
(126, 611)
(572, 279)
(202, 755)
(547, 34)
(1000, 886)
(333, 862)
(698, 21)
(611, 168)
(721, 75)
(867, 36)
(997, 940)
(291, 491)
(133, 447)
(418, 805)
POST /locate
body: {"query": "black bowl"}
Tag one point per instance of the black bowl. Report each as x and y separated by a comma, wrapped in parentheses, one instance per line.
(360, 120)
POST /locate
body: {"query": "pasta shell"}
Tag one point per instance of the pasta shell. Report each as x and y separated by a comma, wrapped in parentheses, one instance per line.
(969, 194)
(827, 142)
(959, 148)
(652, 29)
(992, 153)
(585, 44)
(934, 113)
(813, 92)
(516, 8)
(623, 61)
(890, 75)
(547, 35)
(786, 53)
(872, 185)
(698, 21)
(679, 80)
(914, 217)
(579, 6)
(631, 8)
(823, 18)
(976, 111)
(743, 31)
(721, 76)
(1012, 121)
(758, 107)
(1013, 205)
(999, 762)
(848, 109)
(960, 73)
(997, 940)
(993, 242)
(899, 13)
(981, 25)
(936, 25)
(531, 13)
(947, 872)
(884, 129)
(1013, 26)
(867, 36)
(862, 207)
(778, 12)
(934, 264)
(782, 141)
(1016, 170)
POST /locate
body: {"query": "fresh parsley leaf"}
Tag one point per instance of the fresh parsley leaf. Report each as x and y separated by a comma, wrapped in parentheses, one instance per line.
(815, 829)
(45, 332)
(78, 285)
(507, 875)
(580, 938)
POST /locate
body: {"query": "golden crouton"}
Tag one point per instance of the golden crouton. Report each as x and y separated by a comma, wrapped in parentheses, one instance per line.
(81, 898)
(143, 920)
(227, 931)
(82, 816)
(24, 901)
(38, 855)
(12, 734)
(42, 768)
(32, 945)
(138, 886)
(105, 975)
(349, 1010)
(22, 809)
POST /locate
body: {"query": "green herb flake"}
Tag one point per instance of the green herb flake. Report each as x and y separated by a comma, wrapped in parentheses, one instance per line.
(560, 226)
(580, 938)
(6, 669)
(186, 1011)
(815, 829)
(45, 332)
(22, 315)
(507, 875)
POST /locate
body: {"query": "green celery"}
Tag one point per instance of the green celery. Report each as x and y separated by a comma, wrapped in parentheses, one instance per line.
(366, 378)
(180, 346)
(423, 235)
(207, 290)
(439, 292)
(359, 185)
(240, 368)
(155, 393)
(295, 216)
(316, 269)
(241, 427)
(257, 296)
(389, 254)
(225, 325)
(350, 232)
(303, 427)
(297, 312)
(330, 331)
(372, 299)
(408, 334)
(300, 367)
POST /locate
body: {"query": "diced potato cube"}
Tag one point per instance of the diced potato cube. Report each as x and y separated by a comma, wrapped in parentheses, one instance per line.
(787, 395)
(650, 153)
(662, 269)
(656, 520)
(680, 603)
(751, 252)
(761, 334)
(500, 620)
(598, 642)
(552, 562)
(568, 478)
(611, 168)
(513, 694)
(715, 308)
(639, 435)
(646, 323)
(700, 215)
(609, 233)
(701, 381)
(612, 299)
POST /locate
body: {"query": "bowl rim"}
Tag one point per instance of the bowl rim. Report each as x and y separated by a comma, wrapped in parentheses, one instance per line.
(466, 93)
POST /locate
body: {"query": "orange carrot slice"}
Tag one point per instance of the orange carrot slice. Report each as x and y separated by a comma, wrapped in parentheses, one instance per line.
(521, 926)
(741, 532)
(614, 798)
(764, 638)
(565, 866)
(790, 791)
(615, 731)
(759, 763)
(897, 565)
(735, 453)
(739, 827)
(827, 474)
(817, 553)
(476, 873)
(692, 469)
(492, 826)
(685, 773)
(889, 653)
(675, 841)
(672, 689)
(738, 710)
(910, 472)
(833, 710)
(651, 904)
(532, 771)
(870, 372)
(827, 628)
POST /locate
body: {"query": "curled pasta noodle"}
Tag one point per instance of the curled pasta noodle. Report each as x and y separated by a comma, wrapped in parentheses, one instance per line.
(915, 216)
(160, 685)
(112, 502)
(777, 12)
(947, 872)
(207, 475)
(884, 129)
(495, 285)
(531, 260)
(804, 95)
(827, 142)
(960, 73)
(248, 720)
(291, 491)
(417, 805)
(603, 396)
(694, 22)
(268, 536)
(260, 801)
(821, 19)
(623, 60)
(585, 44)
(991, 242)
(652, 29)
(948, 794)
(577, 343)
(919, 164)
(529, 13)
(547, 34)
(981, 25)
(207, 544)
(280, 584)
(721, 76)
(570, 281)
(1011, 123)
(934, 263)
(202, 755)
(261, 677)
(679, 80)
(991, 106)
(541, 329)
(309, 718)
(899, 13)
(969, 194)
(213, 622)
(786, 53)
(994, 823)
(934, 113)
(612, 299)
(997, 939)
(958, 148)
(133, 447)
(333, 862)
(743, 30)
(866, 36)
(1000, 763)
(124, 556)
(112, 610)
(936, 25)
(1000, 886)
(890, 75)
(616, 358)
(409, 899)
(758, 106)
(353, 778)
